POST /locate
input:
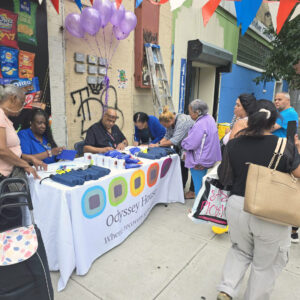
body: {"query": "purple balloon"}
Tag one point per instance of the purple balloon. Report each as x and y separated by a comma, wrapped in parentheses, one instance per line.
(105, 9)
(119, 34)
(118, 14)
(72, 23)
(90, 20)
(129, 22)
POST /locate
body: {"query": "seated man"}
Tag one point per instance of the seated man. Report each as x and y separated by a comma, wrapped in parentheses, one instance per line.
(105, 135)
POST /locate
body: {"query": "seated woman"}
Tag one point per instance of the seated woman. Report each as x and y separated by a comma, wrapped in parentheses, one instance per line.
(148, 129)
(37, 140)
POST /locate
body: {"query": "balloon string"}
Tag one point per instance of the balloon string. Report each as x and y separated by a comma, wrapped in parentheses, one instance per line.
(114, 51)
(98, 46)
(106, 82)
(89, 44)
(105, 48)
(111, 39)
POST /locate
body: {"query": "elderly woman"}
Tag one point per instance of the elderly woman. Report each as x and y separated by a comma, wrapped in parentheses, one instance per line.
(177, 126)
(38, 140)
(202, 146)
(256, 242)
(11, 164)
(11, 103)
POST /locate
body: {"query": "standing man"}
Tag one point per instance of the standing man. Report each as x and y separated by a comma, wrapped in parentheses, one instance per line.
(287, 113)
(105, 135)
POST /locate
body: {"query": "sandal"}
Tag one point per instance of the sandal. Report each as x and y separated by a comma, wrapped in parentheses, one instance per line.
(189, 195)
(223, 296)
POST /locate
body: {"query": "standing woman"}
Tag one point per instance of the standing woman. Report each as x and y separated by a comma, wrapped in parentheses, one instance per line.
(148, 129)
(244, 107)
(178, 126)
(38, 140)
(11, 103)
(202, 145)
(256, 242)
(11, 164)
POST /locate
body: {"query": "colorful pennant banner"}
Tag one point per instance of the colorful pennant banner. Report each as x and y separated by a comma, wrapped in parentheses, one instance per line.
(79, 4)
(56, 5)
(118, 2)
(138, 3)
(208, 10)
(284, 10)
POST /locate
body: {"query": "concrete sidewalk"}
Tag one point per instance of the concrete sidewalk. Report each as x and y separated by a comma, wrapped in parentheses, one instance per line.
(168, 257)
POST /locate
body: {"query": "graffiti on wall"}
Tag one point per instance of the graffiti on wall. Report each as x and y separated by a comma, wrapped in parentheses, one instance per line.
(90, 104)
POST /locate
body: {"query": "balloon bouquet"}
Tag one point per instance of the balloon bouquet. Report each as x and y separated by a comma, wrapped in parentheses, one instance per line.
(102, 20)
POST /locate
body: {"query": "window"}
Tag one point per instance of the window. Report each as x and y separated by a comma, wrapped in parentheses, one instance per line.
(252, 52)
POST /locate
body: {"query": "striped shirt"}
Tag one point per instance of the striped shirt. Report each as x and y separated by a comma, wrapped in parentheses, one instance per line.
(179, 130)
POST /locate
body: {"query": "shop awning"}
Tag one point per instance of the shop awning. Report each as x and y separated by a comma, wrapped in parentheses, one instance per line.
(210, 54)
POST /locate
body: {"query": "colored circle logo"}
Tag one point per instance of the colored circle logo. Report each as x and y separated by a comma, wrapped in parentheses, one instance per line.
(93, 202)
(137, 182)
(152, 174)
(117, 191)
(165, 167)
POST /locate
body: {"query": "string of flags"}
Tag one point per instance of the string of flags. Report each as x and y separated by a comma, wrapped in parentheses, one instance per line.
(246, 10)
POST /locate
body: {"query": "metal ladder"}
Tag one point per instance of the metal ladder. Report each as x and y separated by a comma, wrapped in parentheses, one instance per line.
(158, 78)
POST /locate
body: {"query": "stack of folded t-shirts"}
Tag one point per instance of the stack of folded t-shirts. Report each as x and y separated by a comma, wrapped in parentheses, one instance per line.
(78, 177)
(156, 152)
(129, 161)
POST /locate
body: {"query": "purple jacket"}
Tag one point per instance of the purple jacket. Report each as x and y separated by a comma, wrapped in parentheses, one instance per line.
(202, 144)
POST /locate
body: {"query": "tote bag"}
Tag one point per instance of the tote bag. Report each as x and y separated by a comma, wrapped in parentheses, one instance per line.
(273, 195)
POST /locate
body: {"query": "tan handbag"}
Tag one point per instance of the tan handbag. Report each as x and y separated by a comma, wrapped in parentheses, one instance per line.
(272, 195)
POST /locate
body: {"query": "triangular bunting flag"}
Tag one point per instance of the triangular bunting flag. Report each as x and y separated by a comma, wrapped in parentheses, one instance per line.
(284, 10)
(92, 2)
(118, 2)
(40, 2)
(249, 11)
(295, 13)
(238, 11)
(79, 4)
(176, 3)
(208, 9)
(138, 3)
(273, 9)
(56, 5)
(159, 3)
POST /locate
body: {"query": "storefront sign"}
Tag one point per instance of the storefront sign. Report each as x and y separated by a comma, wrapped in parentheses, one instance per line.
(182, 85)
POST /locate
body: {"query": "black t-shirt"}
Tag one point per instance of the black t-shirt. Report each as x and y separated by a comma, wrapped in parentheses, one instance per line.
(257, 150)
(98, 136)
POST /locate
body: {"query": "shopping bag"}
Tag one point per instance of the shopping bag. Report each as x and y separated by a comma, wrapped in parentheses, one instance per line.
(210, 203)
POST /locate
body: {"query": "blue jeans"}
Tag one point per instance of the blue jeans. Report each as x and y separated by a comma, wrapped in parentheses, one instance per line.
(197, 176)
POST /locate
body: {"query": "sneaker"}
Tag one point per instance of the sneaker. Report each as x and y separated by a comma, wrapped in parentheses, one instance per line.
(294, 237)
(223, 296)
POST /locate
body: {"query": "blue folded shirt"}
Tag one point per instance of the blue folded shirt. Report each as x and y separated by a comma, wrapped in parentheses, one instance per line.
(78, 177)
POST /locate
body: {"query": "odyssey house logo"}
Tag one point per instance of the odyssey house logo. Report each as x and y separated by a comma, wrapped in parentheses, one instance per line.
(93, 202)
(165, 167)
(152, 174)
(137, 182)
(117, 191)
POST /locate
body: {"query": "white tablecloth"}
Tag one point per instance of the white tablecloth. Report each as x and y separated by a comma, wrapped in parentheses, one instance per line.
(80, 224)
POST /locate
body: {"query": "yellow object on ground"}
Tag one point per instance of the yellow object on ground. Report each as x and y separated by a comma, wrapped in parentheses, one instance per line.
(222, 128)
(219, 230)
